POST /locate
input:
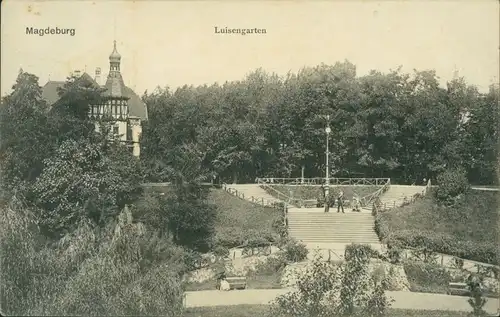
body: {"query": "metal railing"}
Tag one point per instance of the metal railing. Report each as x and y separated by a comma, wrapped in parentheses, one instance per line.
(368, 199)
(259, 201)
(409, 252)
(296, 202)
(321, 180)
(406, 200)
(266, 184)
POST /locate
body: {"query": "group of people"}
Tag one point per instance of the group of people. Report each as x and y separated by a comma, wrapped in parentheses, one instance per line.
(329, 201)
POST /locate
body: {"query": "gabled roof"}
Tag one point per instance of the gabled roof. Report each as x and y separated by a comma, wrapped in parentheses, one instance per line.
(137, 108)
(50, 91)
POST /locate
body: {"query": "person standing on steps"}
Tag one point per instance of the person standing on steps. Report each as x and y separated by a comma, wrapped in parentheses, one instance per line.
(340, 201)
(356, 203)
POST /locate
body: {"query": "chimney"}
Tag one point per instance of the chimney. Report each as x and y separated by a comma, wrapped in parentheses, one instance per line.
(98, 75)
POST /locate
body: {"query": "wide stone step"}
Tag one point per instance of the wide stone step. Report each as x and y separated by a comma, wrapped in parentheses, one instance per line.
(338, 239)
(336, 228)
(331, 232)
(330, 222)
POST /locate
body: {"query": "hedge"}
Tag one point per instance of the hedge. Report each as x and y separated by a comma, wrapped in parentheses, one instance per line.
(438, 242)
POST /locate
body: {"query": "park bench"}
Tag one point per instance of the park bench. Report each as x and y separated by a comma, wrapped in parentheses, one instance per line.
(235, 282)
(459, 289)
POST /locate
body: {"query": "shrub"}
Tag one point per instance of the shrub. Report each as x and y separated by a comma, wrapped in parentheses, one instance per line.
(324, 289)
(394, 253)
(279, 225)
(124, 271)
(293, 250)
(360, 251)
(221, 251)
(427, 277)
(477, 299)
(453, 184)
(272, 265)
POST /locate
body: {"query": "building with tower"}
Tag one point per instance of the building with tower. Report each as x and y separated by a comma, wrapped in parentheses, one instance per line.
(120, 104)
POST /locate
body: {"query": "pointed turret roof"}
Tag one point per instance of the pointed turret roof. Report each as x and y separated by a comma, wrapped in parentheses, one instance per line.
(114, 84)
(115, 56)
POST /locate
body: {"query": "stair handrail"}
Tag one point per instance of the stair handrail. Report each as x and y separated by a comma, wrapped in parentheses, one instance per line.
(366, 200)
(264, 202)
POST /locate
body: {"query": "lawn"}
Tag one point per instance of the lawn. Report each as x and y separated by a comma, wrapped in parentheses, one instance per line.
(313, 192)
(466, 230)
(262, 310)
(240, 220)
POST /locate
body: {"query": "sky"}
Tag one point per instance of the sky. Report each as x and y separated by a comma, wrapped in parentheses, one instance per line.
(170, 43)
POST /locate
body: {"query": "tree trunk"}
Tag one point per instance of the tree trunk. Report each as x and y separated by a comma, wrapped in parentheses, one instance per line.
(302, 174)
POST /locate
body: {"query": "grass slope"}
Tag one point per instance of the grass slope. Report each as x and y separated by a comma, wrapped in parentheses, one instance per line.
(240, 220)
(473, 221)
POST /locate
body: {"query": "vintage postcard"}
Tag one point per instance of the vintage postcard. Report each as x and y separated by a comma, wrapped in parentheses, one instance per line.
(249, 158)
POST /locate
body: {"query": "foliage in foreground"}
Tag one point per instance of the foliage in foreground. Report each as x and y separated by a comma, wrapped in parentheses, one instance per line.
(328, 290)
(119, 270)
(476, 300)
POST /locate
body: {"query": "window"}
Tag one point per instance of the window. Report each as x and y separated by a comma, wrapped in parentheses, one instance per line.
(115, 130)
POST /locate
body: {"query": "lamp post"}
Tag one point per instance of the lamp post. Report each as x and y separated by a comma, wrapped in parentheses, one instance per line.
(327, 176)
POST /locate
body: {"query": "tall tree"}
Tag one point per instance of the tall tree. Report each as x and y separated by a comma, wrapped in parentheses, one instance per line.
(25, 133)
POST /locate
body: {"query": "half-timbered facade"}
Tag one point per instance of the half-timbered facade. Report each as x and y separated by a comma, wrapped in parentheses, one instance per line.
(120, 105)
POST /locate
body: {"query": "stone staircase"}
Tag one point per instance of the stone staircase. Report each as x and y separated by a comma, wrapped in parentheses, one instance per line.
(318, 229)
(314, 227)
(395, 196)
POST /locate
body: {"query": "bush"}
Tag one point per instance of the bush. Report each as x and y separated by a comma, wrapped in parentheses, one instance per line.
(324, 289)
(394, 253)
(272, 265)
(221, 251)
(293, 250)
(477, 299)
(360, 251)
(119, 270)
(452, 185)
(427, 277)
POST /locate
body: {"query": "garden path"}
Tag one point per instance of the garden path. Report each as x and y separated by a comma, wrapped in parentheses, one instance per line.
(402, 300)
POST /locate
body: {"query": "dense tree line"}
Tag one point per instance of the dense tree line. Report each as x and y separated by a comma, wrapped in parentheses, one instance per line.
(403, 126)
